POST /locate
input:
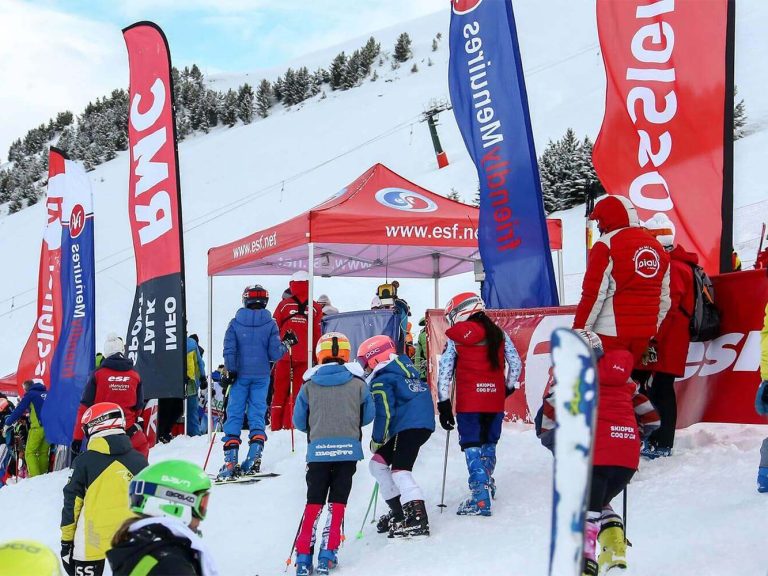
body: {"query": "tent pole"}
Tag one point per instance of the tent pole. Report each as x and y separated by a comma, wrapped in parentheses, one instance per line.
(560, 276)
(311, 303)
(210, 355)
(436, 276)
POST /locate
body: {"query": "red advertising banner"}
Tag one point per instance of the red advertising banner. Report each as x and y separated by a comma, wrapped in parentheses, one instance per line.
(37, 357)
(721, 376)
(156, 335)
(662, 139)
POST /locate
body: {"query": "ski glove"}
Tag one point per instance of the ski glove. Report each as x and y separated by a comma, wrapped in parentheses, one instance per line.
(290, 339)
(203, 382)
(138, 426)
(445, 409)
(230, 379)
(76, 447)
(761, 399)
(66, 556)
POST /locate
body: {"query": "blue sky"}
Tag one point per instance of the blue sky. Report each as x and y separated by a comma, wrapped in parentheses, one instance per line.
(59, 54)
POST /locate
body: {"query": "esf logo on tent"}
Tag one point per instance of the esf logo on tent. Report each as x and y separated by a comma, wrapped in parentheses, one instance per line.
(407, 200)
(465, 6)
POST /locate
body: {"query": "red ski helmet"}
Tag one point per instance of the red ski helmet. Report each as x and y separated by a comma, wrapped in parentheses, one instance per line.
(462, 306)
(255, 295)
(102, 417)
(375, 350)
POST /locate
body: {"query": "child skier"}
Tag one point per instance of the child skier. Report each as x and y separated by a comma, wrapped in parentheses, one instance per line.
(761, 405)
(94, 497)
(251, 342)
(37, 450)
(405, 419)
(333, 405)
(474, 356)
(171, 499)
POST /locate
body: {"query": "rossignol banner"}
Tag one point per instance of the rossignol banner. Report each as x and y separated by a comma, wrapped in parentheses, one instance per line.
(37, 357)
(155, 340)
(75, 354)
(664, 135)
(721, 376)
(491, 108)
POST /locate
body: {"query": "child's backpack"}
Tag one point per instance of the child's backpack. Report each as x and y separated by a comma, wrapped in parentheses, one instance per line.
(705, 319)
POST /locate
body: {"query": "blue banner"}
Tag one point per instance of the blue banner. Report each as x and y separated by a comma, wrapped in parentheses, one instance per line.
(360, 325)
(491, 108)
(75, 354)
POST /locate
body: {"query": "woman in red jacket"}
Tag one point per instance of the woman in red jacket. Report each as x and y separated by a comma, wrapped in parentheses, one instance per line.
(673, 338)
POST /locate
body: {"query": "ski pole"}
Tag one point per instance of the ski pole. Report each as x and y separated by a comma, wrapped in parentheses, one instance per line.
(290, 395)
(442, 504)
(293, 546)
(210, 446)
(624, 510)
(375, 503)
(374, 497)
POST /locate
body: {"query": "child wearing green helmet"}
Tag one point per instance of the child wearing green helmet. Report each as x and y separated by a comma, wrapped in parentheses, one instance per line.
(170, 499)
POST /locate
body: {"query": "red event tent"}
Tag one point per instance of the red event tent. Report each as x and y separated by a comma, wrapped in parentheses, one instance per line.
(379, 222)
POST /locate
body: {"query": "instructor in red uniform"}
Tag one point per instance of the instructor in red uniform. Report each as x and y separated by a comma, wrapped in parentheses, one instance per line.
(625, 293)
(115, 381)
(292, 314)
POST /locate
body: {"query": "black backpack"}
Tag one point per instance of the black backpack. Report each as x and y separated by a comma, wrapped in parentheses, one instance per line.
(705, 318)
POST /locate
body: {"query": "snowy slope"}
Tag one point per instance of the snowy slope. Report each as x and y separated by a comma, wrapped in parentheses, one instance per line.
(238, 180)
(697, 514)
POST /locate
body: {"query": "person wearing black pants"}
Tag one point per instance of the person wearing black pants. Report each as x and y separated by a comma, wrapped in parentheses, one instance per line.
(661, 393)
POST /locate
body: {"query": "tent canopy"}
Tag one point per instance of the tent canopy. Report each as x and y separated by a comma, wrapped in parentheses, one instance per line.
(379, 221)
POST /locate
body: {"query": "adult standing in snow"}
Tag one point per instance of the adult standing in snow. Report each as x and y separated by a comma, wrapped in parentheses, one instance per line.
(761, 404)
(115, 381)
(405, 419)
(673, 338)
(332, 406)
(625, 292)
(37, 449)
(291, 315)
(251, 343)
(325, 302)
(171, 500)
(195, 377)
(474, 357)
(95, 496)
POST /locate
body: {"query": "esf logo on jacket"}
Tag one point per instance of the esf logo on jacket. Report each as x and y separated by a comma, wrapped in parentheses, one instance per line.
(646, 262)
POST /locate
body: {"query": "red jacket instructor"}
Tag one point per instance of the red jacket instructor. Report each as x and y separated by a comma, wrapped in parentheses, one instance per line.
(625, 293)
(115, 381)
(292, 314)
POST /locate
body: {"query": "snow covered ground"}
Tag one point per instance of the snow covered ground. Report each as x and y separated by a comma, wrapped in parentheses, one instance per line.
(695, 514)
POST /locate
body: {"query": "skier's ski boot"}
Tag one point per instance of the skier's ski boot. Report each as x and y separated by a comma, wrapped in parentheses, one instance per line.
(589, 568)
(762, 479)
(252, 463)
(394, 515)
(479, 504)
(612, 546)
(230, 470)
(488, 456)
(303, 564)
(651, 451)
(416, 522)
(326, 561)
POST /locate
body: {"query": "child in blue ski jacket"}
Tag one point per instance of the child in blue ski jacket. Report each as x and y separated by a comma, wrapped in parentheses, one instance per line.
(37, 450)
(251, 343)
(405, 419)
(332, 406)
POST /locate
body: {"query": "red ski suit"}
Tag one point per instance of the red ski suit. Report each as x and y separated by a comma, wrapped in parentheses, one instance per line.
(291, 314)
(625, 293)
(674, 336)
(116, 381)
(617, 439)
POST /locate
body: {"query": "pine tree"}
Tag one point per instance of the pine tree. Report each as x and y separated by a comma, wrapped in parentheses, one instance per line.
(229, 108)
(352, 72)
(476, 199)
(264, 98)
(245, 103)
(63, 119)
(368, 55)
(403, 48)
(739, 117)
(434, 45)
(278, 89)
(337, 71)
(414, 68)
(303, 85)
(454, 195)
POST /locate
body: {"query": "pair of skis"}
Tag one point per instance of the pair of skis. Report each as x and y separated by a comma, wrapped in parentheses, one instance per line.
(244, 478)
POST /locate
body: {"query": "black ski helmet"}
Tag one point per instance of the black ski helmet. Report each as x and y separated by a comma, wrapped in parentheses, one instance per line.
(255, 297)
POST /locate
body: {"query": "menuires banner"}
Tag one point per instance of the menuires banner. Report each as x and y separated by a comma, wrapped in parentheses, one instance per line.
(155, 340)
(491, 108)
